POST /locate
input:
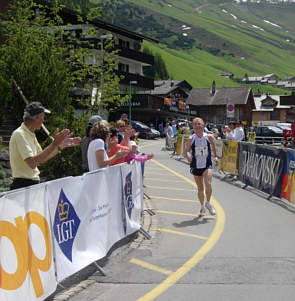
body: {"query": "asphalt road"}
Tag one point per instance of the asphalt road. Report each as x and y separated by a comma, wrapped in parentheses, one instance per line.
(246, 252)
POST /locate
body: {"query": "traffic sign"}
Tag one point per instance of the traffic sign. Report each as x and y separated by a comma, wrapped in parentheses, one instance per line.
(230, 110)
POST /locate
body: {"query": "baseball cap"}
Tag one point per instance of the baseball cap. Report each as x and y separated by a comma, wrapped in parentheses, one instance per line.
(35, 108)
(93, 119)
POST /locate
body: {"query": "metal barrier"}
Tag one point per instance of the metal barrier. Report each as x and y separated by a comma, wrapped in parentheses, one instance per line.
(269, 140)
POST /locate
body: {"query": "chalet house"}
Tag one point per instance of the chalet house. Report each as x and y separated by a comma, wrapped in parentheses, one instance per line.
(131, 58)
(128, 43)
(289, 100)
(166, 101)
(212, 103)
(268, 79)
(268, 107)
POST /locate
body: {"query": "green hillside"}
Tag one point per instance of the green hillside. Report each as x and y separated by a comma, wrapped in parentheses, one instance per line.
(200, 39)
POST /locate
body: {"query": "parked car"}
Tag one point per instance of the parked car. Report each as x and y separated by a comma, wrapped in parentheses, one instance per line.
(284, 126)
(269, 134)
(156, 134)
(144, 131)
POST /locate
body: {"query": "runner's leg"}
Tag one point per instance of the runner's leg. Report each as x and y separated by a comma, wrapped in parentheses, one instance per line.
(200, 185)
(207, 175)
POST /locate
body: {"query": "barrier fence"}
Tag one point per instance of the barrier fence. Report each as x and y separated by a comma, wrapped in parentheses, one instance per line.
(270, 169)
(52, 230)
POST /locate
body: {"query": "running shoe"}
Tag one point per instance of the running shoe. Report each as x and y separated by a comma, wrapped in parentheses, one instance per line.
(210, 208)
(202, 211)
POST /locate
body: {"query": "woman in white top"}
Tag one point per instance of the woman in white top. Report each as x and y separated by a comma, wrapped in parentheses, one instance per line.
(97, 149)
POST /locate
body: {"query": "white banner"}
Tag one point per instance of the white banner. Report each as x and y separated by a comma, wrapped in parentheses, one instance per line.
(133, 196)
(86, 218)
(27, 270)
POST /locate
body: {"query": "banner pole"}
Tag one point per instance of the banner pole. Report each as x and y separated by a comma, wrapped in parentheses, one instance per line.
(145, 233)
(100, 269)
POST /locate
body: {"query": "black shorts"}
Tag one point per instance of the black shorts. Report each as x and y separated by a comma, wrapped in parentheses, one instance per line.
(198, 171)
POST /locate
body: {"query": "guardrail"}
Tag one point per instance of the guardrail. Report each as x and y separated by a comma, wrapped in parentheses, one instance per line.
(269, 140)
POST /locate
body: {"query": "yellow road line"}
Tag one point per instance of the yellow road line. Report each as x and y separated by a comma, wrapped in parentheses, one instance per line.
(175, 213)
(180, 233)
(150, 266)
(161, 180)
(162, 187)
(198, 256)
(171, 199)
(157, 174)
(183, 214)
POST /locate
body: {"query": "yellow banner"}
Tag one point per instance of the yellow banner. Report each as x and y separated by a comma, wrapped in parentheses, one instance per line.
(179, 145)
(230, 157)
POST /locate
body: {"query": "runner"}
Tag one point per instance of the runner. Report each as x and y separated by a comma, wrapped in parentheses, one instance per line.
(198, 153)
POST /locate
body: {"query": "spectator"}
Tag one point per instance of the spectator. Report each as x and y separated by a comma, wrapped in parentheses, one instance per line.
(239, 134)
(133, 154)
(26, 153)
(251, 135)
(86, 141)
(161, 129)
(115, 147)
(236, 132)
(215, 132)
(174, 127)
(230, 131)
(121, 125)
(169, 136)
(97, 155)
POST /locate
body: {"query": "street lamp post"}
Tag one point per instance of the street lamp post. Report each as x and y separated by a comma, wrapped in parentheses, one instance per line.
(133, 82)
(102, 38)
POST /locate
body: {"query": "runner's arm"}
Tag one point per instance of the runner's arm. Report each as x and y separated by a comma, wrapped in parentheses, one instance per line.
(212, 142)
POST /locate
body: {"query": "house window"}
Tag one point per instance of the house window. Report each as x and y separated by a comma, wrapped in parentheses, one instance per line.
(124, 44)
(123, 67)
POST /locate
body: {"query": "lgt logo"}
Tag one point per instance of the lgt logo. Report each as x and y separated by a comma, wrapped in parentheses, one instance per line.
(66, 224)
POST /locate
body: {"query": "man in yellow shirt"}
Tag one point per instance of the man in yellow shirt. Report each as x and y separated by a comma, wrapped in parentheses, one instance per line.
(25, 151)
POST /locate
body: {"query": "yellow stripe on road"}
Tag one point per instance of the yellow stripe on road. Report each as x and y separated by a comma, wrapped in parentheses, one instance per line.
(198, 256)
(171, 199)
(181, 233)
(183, 214)
(161, 187)
(160, 180)
(150, 266)
(175, 213)
(158, 174)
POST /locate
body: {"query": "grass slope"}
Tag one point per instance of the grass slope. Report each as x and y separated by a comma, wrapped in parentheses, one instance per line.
(253, 39)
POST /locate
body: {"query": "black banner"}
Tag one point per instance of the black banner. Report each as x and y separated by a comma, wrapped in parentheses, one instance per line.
(262, 167)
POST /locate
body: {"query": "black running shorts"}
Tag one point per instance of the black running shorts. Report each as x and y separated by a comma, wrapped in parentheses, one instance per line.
(198, 171)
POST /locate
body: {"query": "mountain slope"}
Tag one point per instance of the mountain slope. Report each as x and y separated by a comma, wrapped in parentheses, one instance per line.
(212, 37)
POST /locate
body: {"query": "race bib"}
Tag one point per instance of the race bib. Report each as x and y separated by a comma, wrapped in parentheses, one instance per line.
(201, 151)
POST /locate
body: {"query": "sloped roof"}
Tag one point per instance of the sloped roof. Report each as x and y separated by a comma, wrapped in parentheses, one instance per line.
(164, 87)
(269, 75)
(222, 96)
(260, 107)
(101, 24)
